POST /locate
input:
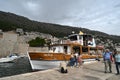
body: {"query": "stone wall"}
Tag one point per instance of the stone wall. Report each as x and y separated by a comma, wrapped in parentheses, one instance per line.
(12, 43)
(7, 43)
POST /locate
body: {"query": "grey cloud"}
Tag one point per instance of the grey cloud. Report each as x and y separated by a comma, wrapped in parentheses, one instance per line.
(92, 14)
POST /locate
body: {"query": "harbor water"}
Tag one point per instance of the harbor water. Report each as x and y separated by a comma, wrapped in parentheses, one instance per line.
(20, 66)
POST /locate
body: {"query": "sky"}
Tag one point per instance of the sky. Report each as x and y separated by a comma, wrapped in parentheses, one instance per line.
(100, 15)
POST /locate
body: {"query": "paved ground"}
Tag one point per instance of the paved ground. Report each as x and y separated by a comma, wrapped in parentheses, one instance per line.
(91, 71)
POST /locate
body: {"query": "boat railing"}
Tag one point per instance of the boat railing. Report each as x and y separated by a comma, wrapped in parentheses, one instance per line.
(37, 49)
(66, 42)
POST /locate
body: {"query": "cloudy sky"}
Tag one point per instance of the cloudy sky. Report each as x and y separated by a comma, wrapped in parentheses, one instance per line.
(100, 15)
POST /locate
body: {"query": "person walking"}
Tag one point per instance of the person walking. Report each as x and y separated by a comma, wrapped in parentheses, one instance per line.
(79, 61)
(117, 62)
(107, 56)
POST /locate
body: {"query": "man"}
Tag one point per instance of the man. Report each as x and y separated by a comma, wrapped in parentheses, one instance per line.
(117, 62)
(107, 56)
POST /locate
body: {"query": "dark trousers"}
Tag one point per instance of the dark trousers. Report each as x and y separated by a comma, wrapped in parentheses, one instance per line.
(117, 66)
(76, 62)
(72, 63)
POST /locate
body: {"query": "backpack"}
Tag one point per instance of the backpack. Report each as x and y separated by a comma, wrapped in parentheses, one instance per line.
(64, 70)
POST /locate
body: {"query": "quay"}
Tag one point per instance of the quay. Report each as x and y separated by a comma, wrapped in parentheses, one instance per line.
(89, 71)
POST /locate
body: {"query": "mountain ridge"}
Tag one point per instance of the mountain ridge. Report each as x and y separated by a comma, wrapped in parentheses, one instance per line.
(11, 21)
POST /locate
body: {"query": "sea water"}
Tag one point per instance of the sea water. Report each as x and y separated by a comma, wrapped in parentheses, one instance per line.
(20, 66)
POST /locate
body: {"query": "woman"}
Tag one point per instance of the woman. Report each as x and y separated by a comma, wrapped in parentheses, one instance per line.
(79, 61)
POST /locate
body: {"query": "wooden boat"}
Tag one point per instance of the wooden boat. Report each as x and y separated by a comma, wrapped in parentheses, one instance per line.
(62, 50)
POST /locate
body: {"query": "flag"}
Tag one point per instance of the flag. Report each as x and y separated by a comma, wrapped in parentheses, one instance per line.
(81, 33)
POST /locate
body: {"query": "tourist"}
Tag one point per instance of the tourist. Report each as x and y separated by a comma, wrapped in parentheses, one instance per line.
(107, 56)
(79, 61)
(76, 59)
(117, 62)
(72, 61)
(63, 67)
(114, 53)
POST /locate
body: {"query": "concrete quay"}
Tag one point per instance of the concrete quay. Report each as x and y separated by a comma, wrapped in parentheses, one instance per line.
(89, 71)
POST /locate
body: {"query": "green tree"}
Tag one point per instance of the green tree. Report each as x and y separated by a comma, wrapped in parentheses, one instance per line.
(37, 42)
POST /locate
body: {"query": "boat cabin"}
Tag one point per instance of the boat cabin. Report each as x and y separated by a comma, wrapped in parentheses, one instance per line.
(81, 44)
(84, 40)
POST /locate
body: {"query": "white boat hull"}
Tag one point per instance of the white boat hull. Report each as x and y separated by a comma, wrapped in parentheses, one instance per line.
(42, 65)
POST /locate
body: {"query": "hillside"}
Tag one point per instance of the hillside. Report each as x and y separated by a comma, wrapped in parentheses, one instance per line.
(10, 21)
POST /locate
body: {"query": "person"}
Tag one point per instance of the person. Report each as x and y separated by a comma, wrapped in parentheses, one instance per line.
(107, 60)
(114, 53)
(76, 59)
(63, 67)
(72, 61)
(79, 61)
(117, 62)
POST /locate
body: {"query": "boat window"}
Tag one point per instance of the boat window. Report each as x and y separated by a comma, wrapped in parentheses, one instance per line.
(85, 49)
(72, 38)
(87, 40)
(88, 37)
(54, 49)
(92, 52)
(65, 49)
(76, 49)
(80, 37)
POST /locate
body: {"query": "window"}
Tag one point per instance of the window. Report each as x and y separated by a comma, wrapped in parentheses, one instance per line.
(73, 38)
(65, 49)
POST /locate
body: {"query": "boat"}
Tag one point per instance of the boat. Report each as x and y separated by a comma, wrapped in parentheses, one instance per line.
(8, 59)
(62, 50)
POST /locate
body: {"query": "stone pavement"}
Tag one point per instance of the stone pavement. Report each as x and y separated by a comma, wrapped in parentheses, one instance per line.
(91, 71)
